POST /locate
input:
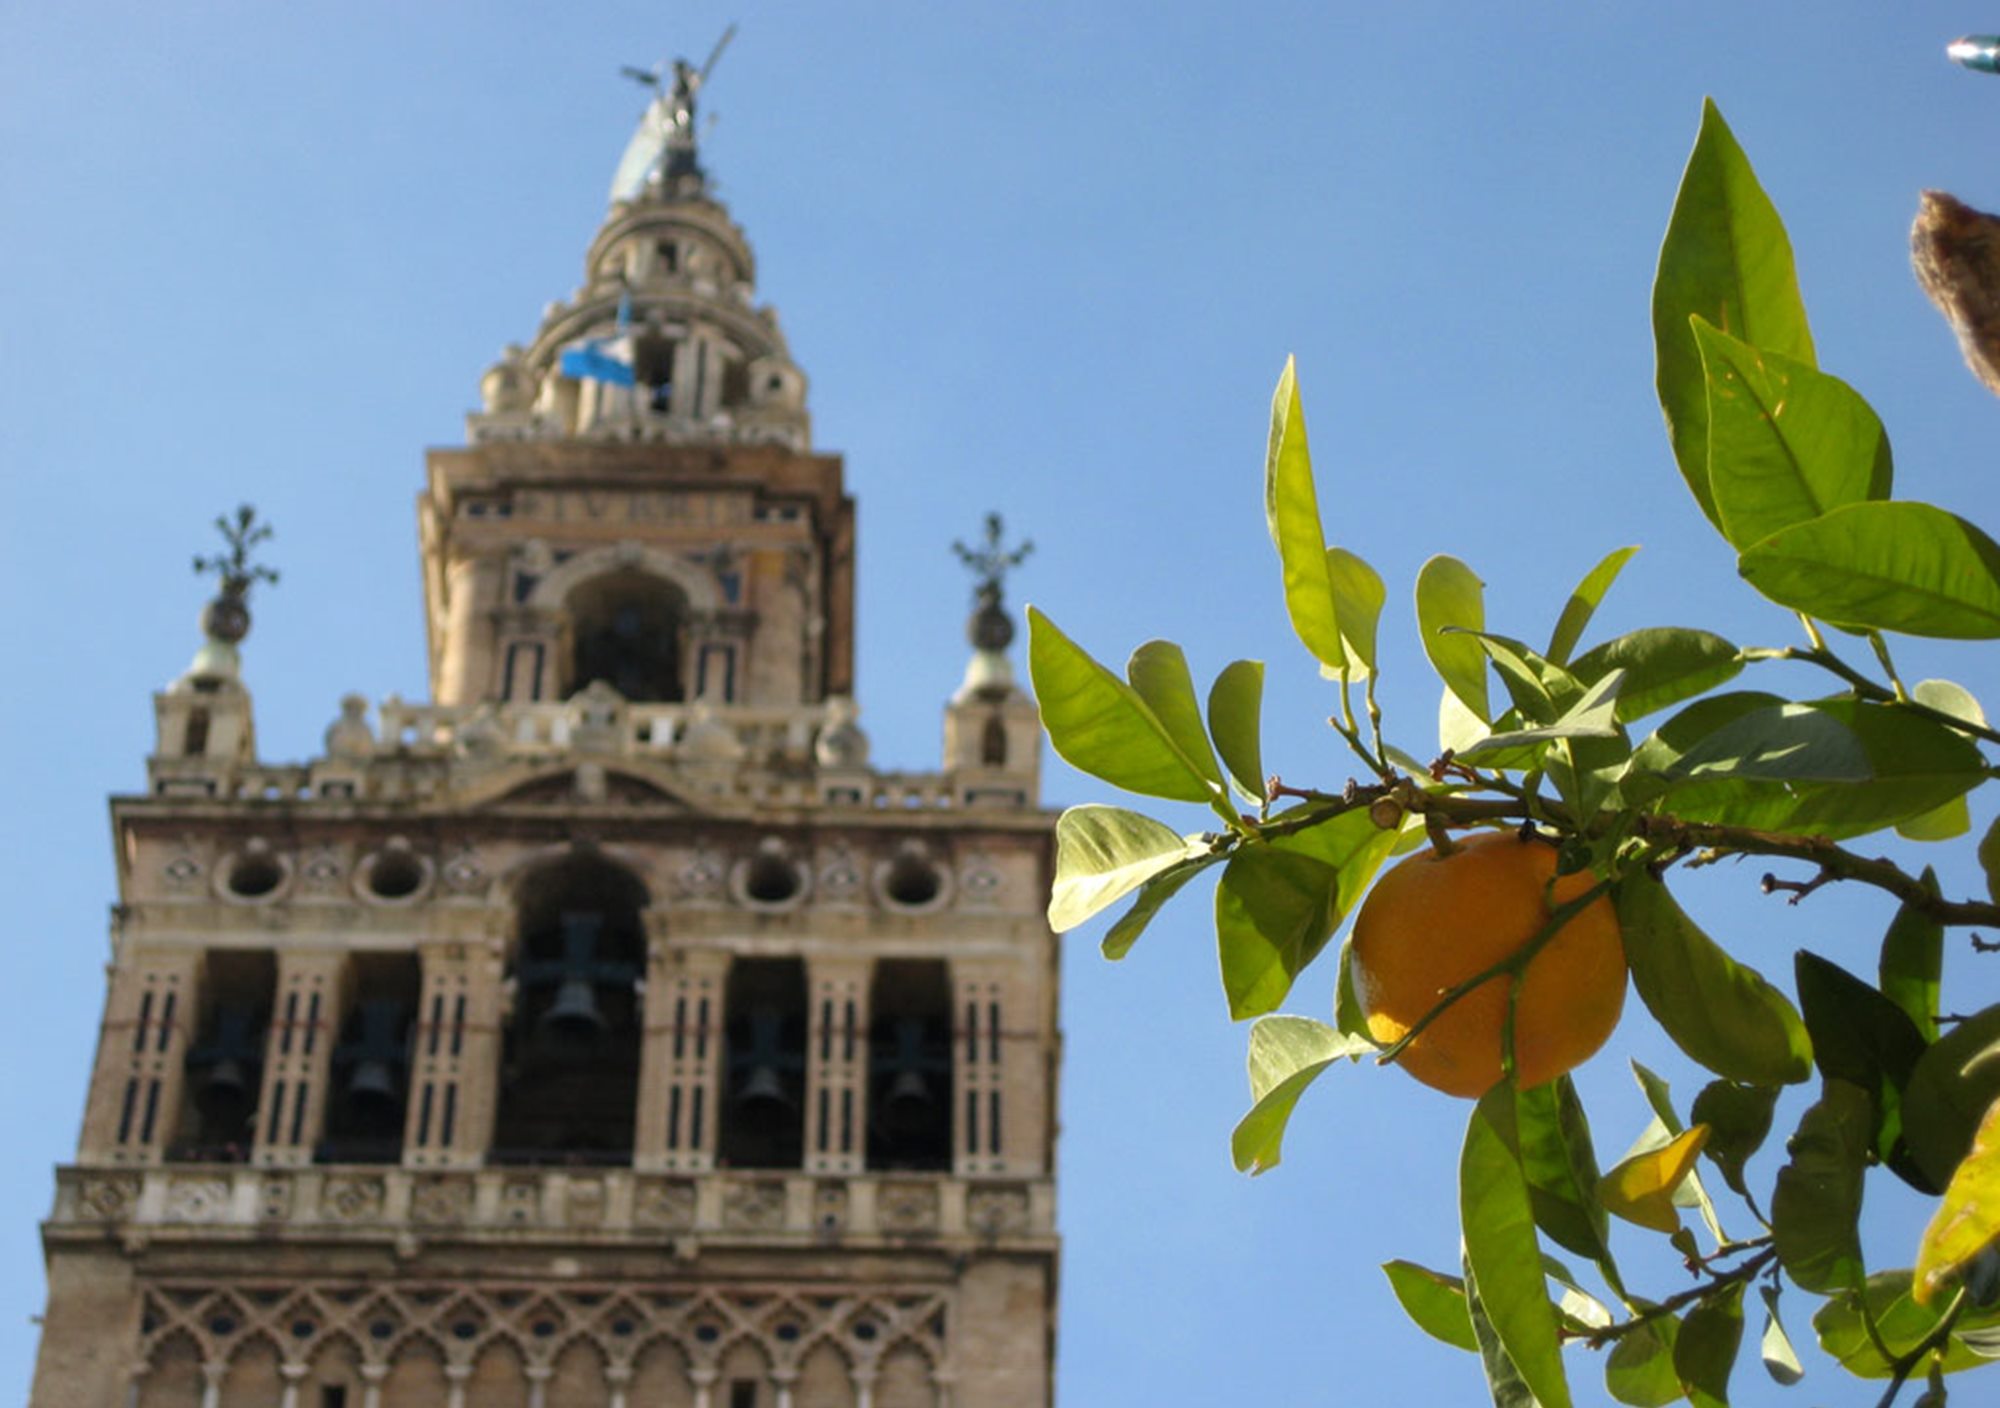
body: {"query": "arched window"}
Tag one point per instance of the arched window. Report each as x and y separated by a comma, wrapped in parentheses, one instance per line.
(625, 629)
(764, 1043)
(909, 1065)
(225, 1064)
(993, 743)
(370, 1065)
(653, 373)
(569, 1083)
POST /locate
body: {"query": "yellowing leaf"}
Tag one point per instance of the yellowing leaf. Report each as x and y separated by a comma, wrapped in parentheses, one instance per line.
(1641, 1189)
(1968, 1220)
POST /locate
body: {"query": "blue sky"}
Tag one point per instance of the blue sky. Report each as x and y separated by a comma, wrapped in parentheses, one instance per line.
(1042, 259)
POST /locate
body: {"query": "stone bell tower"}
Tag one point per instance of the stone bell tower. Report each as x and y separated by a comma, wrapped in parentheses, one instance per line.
(606, 1030)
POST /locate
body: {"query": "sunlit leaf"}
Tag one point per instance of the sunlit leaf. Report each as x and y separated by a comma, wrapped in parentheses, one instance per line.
(1954, 1082)
(1900, 566)
(1738, 1118)
(1816, 1206)
(1451, 601)
(1552, 1135)
(1912, 961)
(1153, 896)
(1705, 1351)
(1786, 442)
(1159, 672)
(1274, 912)
(1505, 1386)
(1287, 1054)
(1721, 1013)
(1291, 506)
(1903, 1325)
(1583, 604)
(1641, 1189)
(1502, 1251)
(1948, 698)
(1781, 1361)
(1100, 725)
(1358, 595)
(1663, 665)
(1989, 860)
(1946, 822)
(1435, 1301)
(1103, 854)
(1235, 719)
(1594, 715)
(1967, 1222)
(1727, 259)
(1347, 1014)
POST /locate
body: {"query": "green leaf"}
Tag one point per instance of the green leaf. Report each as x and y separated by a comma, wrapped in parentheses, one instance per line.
(1912, 963)
(1943, 823)
(1786, 442)
(1954, 1082)
(1594, 715)
(1727, 259)
(1504, 1383)
(1663, 665)
(1902, 1323)
(1449, 595)
(1721, 1013)
(1781, 1361)
(1347, 1013)
(1552, 1135)
(1967, 1222)
(1159, 672)
(1103, 854)
(1502, 1252)
(1583, 604)
(1816, 1207)
(1738, 1118)
(1235, 718)
(1274, 912)
(1948, 698)
(1989, 860)
(1435, 1301)
(1904, 567)
(1291, 506)
(1358, 595)
(1861, 1037)
(1153, 895)
(1705, 1352)
(1098, 724)
(1541, 691)
(1640, 1368)
(1286, 1055)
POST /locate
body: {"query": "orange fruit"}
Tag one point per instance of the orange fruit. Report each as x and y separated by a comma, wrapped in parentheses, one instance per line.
(1435, 921)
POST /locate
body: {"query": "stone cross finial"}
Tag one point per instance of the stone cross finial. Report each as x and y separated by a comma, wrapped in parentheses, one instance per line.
(235, 569)
(990, 628)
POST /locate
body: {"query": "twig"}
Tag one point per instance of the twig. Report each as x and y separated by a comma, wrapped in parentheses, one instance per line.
(1743, 1271)
(1900, 1366)
(1798, 889)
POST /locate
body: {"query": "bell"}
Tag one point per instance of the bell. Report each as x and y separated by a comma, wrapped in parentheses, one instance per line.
(224, 1072)
(372, 1094)
(761, 1094)
(372, 1097)
(908, 1103)
(572, 1019)
(224, 1093)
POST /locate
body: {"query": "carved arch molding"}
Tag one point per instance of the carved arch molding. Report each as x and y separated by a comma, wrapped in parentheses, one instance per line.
(234, 1328)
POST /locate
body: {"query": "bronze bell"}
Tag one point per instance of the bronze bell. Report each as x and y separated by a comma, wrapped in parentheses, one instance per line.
(572, 1019)
(761, 1093)
(226, 1089)
(908, 1102)
(373, 1092)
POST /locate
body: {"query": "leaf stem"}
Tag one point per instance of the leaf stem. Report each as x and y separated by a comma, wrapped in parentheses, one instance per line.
(1868, 689)
(1902, 1366)
(1742, 1271)
(1881, 648)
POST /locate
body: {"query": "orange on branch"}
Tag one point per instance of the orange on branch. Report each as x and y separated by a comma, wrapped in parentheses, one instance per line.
(1435, 921)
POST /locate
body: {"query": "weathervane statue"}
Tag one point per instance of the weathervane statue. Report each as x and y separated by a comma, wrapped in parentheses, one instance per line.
(663, 149)
(991, 628)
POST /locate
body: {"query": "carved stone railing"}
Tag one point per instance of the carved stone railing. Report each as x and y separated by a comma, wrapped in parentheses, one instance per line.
(365, 1203)
(586, 724)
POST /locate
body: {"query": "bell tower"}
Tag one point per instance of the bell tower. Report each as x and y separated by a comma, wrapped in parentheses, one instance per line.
(607, 1029)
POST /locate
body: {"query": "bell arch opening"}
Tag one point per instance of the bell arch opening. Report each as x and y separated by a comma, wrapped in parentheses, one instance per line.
(569, 1082)
(625, 629)
(909, 1065)
(370, 1066)
(225, 1063)
(764, 1046)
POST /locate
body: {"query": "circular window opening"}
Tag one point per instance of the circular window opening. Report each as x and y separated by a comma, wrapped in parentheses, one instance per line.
(912, 882)
(707, 1334)
(395, 875)
(770, 879)
(865, 1330)
(255, 875)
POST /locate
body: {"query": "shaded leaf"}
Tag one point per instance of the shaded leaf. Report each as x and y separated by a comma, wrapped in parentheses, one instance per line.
(1967, 1222)
(1435, 1301)
(1235, 719)
(1358, 595)
(1098, 724)
(1640, 1368)
(1274, 912)
(1861, 1037)
(1948, 698)
(1347, 1014)
(1291, 506)
(1912, 962)
(1552, 1136)
(1781, 1361)
(1663, 665)
(1948, 1093)
(1504, 1383)
(1641, 1189)
(1450, 602)
(1502, 1253)
(1104, 853)
(1705, 1351)
(1721, 1013)
(1727, 259)
(1594, 715)
(1786, 442)
(1738, 1118)
(1816, 1206)
(1583, 604)
(1989, 860)
(1286, 1055)
(1943, 823)
(1159, 672)
(1901, 566)
(1903, 1324)
(1153, 896)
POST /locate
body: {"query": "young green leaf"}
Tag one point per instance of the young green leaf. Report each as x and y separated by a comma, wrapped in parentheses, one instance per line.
(1287, 1054)
(1274, 912)
(1435, 1301)
(1158, 671)
(1904, 567)
(1100, 725)
(1663, 665)
(1153, 896)
(1721, 1013)
(1358, 595)
(1738, 1117)
(1705, 1351)
(1816, 1207)
(1948, 698)
(1781, 1361)
(1954, 1082)
(1727, 259)
(1103, 854)
(1967, 1222)
(1786, 442)
(1640, 1368)
(1235, 718)
(1502, 1251)
(1583, 604)
(1291, 506)
(1913, 961)
(1450, 596)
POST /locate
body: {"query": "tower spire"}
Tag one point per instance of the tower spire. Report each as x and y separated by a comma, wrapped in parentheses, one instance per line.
(990, 630)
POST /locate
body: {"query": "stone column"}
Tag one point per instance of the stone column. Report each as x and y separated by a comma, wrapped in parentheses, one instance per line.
(466, 665)
(538, 1385)
(292, 1375)
(135, 1088)
(618, 1375)
(455, 1056)
(703, 1380)
(298, 1055)
(781, 1381)
(457, 1374)
(211, 1384)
